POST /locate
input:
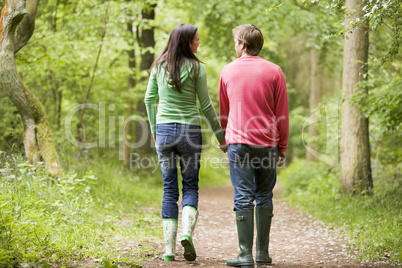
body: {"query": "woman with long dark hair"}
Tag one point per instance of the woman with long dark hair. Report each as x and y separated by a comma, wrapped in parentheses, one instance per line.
(178, 77)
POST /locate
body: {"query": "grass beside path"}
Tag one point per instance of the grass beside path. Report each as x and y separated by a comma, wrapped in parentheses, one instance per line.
(372, 224)
(100, 214)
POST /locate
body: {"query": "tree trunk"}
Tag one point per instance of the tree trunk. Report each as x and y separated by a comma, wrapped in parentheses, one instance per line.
(147, 44)
(16, 28)
(130, 85)
(315, 99)
(355, 146)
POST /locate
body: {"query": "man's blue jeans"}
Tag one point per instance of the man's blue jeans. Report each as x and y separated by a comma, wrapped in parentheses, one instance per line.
(178, 143)
(253, 175)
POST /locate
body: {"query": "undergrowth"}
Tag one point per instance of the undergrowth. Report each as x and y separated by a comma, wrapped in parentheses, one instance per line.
(100, 213)
(44, 221)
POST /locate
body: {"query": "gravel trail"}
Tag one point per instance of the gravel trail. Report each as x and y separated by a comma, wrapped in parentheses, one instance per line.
(296, 240)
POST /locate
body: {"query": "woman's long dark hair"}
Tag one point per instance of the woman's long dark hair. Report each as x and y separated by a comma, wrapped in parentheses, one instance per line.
(178, 53)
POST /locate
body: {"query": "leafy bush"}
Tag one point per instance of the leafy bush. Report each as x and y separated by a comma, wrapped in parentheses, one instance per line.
(302, 178)
(37, 214)
(44, 221)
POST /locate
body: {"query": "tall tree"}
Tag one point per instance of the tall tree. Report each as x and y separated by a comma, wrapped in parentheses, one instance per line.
(130, 83)
(355, 146)
(17, 24)
(146, 40)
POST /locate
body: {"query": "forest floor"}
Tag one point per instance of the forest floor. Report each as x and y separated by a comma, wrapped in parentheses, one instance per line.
(296, 240)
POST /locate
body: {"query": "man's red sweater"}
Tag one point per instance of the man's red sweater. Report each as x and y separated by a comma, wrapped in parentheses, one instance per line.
(253, 103)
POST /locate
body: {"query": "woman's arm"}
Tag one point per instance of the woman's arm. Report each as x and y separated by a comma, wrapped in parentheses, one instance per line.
(150, 100)
(206, 105)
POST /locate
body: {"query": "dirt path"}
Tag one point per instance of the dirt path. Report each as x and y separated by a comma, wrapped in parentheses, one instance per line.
(296, 240)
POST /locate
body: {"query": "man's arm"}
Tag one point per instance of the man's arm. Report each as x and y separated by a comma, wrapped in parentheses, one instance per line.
(223, 104)
(282, 112)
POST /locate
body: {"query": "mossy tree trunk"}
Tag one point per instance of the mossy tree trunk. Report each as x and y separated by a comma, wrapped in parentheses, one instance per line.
(17, 23)
(355, 146)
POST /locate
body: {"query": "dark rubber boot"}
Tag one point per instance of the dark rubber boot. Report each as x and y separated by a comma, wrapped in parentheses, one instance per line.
(245, 233)
(263, 217)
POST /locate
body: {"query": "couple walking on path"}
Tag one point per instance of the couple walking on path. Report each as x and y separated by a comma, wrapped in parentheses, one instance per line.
(252, 129)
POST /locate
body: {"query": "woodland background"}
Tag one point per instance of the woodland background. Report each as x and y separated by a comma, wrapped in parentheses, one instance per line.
(345, 140)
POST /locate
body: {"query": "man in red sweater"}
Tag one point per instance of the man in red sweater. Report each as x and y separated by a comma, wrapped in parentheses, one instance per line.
(254, 114)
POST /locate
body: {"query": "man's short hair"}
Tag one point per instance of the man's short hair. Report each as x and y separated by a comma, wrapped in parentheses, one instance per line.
(251, 36)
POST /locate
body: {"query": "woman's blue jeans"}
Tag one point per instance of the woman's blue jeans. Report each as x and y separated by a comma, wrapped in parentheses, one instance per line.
(178, 143)
(253, 175)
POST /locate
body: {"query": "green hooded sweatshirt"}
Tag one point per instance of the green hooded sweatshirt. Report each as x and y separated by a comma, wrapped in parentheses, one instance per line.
(175, 107)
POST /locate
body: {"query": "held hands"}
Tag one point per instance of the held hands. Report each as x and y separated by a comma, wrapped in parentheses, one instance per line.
(223, 146)
(281, 158)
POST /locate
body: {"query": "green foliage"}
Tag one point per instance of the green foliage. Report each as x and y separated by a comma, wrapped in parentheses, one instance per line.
(384, 100)
(38, 214)
(381, 12)
(383, 103)
(302, 178)
(58, 62)
(44, 221)
(376, 13)
(372, 224)
(11, 129)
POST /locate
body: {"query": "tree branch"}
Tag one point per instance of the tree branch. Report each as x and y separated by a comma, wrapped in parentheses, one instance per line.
(11, 15)
(26, 27)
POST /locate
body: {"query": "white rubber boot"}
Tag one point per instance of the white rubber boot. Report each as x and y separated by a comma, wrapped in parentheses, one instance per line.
(169, 234)
(189, 219)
